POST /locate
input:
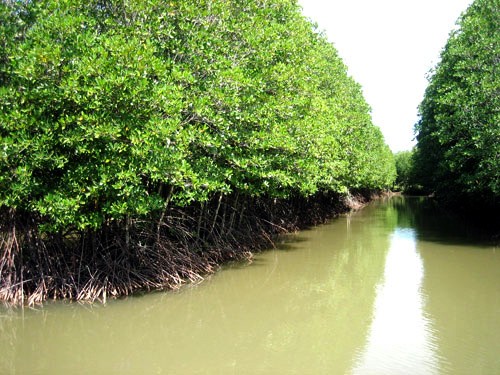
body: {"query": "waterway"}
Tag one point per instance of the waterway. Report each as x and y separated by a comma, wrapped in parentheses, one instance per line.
(395, 288)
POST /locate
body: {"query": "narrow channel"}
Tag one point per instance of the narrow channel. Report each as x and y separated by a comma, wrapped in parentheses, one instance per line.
(395, 288)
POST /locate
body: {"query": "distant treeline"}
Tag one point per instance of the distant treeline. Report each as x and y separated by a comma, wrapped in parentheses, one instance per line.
(114, 115)
(457, 156)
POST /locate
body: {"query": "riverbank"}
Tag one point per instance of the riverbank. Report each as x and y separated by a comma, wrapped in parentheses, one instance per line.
(182, 245)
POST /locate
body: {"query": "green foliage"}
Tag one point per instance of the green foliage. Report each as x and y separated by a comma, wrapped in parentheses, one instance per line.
(111, 109)
(404, 167)
(458, 150)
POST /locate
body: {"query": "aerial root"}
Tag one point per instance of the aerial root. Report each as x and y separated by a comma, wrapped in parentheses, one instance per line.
(185, 246)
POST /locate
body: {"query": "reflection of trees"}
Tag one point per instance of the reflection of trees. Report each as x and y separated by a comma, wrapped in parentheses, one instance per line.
(402, 210)
(434, 224)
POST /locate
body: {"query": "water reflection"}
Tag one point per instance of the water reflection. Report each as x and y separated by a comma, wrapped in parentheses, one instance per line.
(401, 339)
(434, 224)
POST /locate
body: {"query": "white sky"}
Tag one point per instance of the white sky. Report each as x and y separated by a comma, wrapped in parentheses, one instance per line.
(389, 47)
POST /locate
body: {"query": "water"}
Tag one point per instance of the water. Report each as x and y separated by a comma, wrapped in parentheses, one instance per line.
(393, 289)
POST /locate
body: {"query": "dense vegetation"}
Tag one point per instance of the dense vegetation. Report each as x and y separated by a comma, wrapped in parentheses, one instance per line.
(404, 170)
(133, 130)
(458, 152)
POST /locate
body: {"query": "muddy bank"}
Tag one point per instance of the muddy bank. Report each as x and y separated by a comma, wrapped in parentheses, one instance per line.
(179, 245)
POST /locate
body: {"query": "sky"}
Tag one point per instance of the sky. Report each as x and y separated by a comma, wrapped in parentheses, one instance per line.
(389, 47)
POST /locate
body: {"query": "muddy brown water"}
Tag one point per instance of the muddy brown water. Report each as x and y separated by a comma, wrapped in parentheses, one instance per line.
(395, 288)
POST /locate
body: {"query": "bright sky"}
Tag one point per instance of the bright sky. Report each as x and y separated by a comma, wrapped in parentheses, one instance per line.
(389, 47)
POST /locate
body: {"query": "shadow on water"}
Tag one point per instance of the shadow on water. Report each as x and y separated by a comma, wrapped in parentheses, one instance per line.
(434, 224)
(289, 242)
(286, 243)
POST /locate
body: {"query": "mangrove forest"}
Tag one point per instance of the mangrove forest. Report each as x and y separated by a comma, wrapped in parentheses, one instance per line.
(457, 156)
(143, 143)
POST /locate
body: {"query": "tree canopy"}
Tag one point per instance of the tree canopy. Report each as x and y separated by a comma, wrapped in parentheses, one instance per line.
(112, 109)
(404, 167)
(458, 150)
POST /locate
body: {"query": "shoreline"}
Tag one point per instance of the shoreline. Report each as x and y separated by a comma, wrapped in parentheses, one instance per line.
(184, 247)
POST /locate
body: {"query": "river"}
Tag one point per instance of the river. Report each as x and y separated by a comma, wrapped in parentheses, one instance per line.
(395, 288)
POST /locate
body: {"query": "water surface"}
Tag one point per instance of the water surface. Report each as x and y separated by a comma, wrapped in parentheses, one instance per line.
(395, 288)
